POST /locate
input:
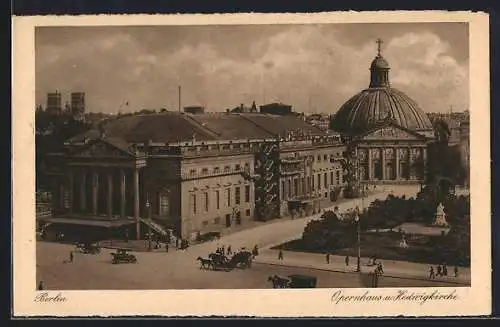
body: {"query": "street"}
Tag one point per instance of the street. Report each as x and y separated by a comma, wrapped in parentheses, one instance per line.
(174, 270)
(179, 269)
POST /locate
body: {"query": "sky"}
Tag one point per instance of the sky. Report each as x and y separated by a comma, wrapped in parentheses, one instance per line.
(315, 68)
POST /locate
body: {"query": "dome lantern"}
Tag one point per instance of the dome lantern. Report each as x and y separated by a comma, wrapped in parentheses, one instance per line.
(379, 69)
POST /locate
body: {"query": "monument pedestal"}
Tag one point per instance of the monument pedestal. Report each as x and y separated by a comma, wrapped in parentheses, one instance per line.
(440, 217)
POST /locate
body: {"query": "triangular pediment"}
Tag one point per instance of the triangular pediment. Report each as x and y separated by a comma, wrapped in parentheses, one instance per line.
(101, 148)
(392, 132)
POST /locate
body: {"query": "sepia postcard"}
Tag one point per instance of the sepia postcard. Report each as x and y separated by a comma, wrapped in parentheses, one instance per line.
(252, 165)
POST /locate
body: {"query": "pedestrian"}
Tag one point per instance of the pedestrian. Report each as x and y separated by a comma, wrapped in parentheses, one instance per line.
(328, 258)
(176, 242)
(445, 270)
(157, 245)
(41, 286)
(166, 247)
(347, 261)
(456, 271)
(126, 236)
(432, 274)
(229, 250)
(380, 268)
(71, 256)
(280, 255)
(439, 271)
(223, 250)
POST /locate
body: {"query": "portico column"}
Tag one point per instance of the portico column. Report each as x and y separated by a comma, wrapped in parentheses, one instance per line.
(424, 161)
(136, 203)
(398, 173)
(383, 163)
(70, 191)
(122, 193)
(61, 194)
(110, 194)
(370, 165)
(83, 191)
(95, 185)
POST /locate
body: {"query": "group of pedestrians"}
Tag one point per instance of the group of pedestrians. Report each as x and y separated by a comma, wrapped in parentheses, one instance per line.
(441, 271)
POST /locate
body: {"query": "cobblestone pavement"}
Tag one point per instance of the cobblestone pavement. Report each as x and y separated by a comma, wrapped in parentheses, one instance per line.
(179, 269)
(337, 263)
(174, 270)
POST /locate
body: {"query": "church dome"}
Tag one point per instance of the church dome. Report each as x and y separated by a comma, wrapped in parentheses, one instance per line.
(378, 103)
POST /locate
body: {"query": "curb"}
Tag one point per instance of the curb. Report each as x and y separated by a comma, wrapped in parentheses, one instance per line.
(354, 272)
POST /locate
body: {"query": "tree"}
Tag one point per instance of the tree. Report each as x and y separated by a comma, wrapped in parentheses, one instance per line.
(444, 165)
(349, 167)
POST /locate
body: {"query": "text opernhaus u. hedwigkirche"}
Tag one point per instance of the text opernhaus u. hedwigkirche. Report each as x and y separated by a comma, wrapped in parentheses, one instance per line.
(198, 172)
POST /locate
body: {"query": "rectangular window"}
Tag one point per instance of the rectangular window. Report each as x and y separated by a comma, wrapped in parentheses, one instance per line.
(319, 181)
(217, 199)
(331, 178)
(238, 167)
(237, 195)
(312, 183)
(247, 193)
(247, 212)
(228, 197)
(163, 201)
(193, 202)
(192, 172)
(217, 220)
(216, 170)
(204, 171)
(282, 190)
(325, 177)
(206, 202)
(337, 173)
(227, 169)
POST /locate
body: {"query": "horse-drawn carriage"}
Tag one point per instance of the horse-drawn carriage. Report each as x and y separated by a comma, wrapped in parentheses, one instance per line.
(218, 261)
(293, 281)
(88, 248)
(122, 256)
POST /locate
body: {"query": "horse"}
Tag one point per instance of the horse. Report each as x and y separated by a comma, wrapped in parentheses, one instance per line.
(205, 263)
(279, 282)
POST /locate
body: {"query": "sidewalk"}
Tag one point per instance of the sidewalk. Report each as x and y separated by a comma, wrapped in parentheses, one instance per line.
(395, 269)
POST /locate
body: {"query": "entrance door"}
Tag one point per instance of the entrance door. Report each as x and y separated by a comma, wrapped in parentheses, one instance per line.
(228, 220)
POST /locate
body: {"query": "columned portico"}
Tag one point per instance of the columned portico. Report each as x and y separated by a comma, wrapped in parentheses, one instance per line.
(391, 163)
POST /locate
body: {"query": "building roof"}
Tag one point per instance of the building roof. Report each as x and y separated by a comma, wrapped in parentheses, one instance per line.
(379, 102)
(367, 108)
(173, 127)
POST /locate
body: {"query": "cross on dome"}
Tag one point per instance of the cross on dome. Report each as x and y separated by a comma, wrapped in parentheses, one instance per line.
(379, 45)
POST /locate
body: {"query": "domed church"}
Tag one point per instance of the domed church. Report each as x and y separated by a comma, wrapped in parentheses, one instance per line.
(387, 130)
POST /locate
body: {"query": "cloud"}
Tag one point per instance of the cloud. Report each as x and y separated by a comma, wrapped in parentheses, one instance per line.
(306, 66)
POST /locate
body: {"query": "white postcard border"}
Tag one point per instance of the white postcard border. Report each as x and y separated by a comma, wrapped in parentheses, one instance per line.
(474, 300)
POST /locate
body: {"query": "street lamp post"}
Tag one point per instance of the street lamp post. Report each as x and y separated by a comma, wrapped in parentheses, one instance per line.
(358, 235)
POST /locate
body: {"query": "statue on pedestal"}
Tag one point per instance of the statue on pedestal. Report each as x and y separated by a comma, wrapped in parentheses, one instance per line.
(440, 216)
